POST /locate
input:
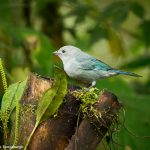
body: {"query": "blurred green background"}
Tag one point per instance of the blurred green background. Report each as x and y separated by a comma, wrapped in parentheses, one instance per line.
(116, 32)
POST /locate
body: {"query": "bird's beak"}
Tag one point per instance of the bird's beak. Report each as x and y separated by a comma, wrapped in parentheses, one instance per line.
(56, 53)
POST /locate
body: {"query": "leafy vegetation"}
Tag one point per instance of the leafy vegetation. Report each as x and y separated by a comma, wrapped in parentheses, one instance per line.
(9, 102)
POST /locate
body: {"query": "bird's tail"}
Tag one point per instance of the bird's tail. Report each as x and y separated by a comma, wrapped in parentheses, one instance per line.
(126, 73)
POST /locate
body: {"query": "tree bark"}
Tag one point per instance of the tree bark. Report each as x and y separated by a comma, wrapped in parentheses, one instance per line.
(61, 132)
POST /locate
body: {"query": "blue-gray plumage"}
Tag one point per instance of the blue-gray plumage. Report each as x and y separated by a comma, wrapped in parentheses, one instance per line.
(82, 66)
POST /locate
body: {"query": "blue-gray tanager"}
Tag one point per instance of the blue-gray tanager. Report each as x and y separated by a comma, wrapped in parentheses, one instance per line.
(81, 66)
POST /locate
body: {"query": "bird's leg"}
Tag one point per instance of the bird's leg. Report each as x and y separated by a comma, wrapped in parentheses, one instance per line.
(87, 86)
(91, 85)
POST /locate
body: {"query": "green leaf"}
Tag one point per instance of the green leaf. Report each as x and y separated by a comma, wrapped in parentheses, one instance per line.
(58, 99)
(53, 98)
(45, 101)
(11, 100)
(98, 32)
(12, 96)
(116, 12)
(137, 9)
(80, 12)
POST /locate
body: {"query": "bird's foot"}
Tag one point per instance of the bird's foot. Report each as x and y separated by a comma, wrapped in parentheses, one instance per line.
(91, 85)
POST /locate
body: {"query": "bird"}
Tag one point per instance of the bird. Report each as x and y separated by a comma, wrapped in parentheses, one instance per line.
(84, 67)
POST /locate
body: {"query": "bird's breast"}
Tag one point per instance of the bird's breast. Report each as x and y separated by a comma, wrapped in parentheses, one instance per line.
(71, 68)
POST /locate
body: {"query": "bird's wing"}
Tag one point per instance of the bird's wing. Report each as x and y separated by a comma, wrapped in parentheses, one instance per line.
(90, 63)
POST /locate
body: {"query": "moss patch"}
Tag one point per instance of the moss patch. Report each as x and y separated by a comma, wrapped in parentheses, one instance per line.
(88, 99)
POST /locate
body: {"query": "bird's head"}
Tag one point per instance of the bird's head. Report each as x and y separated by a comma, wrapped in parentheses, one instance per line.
(67, 52)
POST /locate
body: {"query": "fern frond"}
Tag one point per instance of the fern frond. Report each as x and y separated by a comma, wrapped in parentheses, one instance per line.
(3, 76)
(17, 125)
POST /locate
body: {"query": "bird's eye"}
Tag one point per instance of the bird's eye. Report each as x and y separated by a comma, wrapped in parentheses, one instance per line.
(63, 51)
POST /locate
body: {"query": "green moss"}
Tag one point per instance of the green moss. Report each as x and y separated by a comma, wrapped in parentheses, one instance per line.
(87, 96)
(88, 99)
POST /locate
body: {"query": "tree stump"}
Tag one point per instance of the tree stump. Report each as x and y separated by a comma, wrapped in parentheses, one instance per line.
(61, 132)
